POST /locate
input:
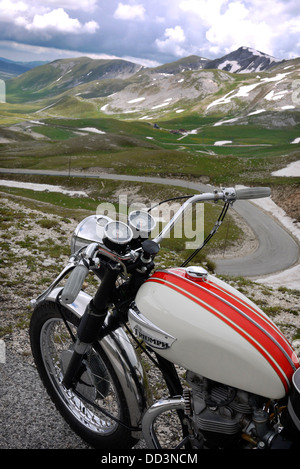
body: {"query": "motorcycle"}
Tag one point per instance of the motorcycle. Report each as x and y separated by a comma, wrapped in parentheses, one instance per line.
(232, 380)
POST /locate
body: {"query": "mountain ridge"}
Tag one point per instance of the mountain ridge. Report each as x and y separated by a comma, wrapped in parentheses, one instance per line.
(10, 68)
(126, 90)
(237, 61)
(244, 60)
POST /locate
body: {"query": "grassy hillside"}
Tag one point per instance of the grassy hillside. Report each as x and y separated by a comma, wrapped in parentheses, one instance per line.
(56, 77)
(142, 149)
(172, 250)
(208, 125)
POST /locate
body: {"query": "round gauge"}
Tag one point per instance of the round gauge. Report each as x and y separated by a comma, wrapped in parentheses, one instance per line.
(102, 220)
(141, 222)
(101, 224)
(118, 232)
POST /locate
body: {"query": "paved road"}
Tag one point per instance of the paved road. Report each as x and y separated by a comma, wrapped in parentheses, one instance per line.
(277, 249)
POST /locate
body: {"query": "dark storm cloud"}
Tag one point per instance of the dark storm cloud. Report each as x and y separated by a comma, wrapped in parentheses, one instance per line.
(158, 31)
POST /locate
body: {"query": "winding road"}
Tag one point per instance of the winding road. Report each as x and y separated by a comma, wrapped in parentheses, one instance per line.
(277, 250)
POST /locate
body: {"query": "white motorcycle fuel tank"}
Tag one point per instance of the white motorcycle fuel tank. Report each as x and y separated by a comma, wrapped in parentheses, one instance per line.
(199, 322)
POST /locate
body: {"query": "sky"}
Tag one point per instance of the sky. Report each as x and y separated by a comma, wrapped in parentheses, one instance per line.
(147, 32)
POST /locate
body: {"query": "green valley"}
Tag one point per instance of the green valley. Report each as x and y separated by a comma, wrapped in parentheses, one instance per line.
(205, 125)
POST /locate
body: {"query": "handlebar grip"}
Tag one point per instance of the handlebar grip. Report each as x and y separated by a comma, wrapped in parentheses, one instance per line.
(253, 193)
(74, 283)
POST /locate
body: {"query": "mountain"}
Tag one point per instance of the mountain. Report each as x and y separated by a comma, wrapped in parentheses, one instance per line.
(10, 69)
(192, 62)
(208, 92)
(62, 75)
(256, 86)
(244, 60)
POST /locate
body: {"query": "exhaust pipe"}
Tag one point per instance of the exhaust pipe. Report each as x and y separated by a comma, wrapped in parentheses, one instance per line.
(152, 413)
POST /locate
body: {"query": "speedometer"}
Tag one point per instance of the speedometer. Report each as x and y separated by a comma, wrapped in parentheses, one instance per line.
(141, 223)
(118, 232)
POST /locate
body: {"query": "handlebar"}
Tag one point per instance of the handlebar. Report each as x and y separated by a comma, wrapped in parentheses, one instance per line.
(227, 195)
(78, 275)
(253, 193)
(75, 281)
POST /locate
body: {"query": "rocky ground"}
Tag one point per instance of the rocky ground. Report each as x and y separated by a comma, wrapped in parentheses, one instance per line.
(34, 248)
(288, 198)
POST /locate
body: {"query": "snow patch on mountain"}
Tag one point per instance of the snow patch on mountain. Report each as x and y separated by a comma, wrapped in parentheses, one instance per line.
(273, 96)
(222, 142)
(291, 170)
(243, 91)
(230, 66)
(279, 91)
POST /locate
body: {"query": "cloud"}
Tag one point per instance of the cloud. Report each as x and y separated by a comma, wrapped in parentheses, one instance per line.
(35, 17)
(228, 24)
(56, 20)
(206, 10)
(171, 44)
(83, 5)
(130, 12)
(12, 11)
(236, 27)
(157, 31)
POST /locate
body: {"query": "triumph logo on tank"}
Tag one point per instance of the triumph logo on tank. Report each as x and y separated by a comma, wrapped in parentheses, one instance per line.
(153, 341)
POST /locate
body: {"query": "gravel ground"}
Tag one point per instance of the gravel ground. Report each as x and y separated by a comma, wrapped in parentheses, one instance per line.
(28, 418)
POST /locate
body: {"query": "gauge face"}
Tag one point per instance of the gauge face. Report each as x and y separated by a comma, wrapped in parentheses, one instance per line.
(118, 232)
(141, 222)
(100, 225)
(103, 220)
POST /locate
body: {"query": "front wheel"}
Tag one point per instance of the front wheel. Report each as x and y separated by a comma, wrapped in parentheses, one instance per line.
(96, 409)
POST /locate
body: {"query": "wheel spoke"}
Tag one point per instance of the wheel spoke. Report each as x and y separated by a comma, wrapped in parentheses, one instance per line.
(95, 391)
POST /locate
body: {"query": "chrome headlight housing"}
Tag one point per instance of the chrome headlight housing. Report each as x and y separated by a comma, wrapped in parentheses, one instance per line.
(89, 230)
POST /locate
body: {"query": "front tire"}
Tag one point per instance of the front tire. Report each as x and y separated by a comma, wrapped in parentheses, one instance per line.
(97, 395)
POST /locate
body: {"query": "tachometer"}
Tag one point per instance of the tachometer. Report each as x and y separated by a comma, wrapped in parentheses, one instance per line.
(141, 223)
(117, 232)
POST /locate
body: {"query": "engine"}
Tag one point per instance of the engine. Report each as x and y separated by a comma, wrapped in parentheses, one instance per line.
(224, 417)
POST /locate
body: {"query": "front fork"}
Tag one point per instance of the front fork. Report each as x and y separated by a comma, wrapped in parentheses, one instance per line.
(92, 322)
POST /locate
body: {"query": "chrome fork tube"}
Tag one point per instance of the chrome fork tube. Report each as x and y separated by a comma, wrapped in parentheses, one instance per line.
(176, 403)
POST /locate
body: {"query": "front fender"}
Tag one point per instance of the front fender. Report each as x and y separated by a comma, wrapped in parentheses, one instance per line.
(123, 359)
